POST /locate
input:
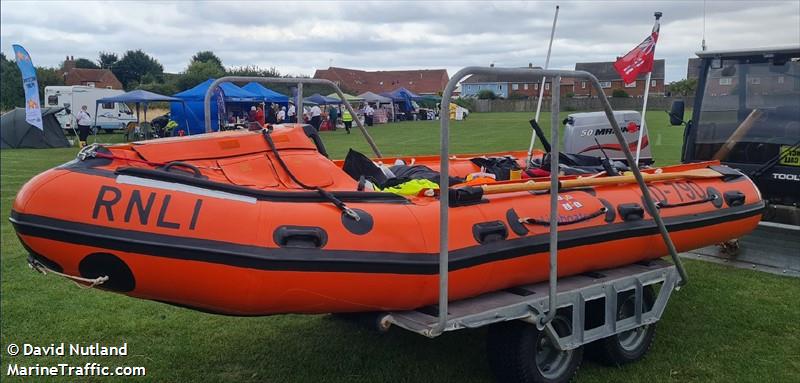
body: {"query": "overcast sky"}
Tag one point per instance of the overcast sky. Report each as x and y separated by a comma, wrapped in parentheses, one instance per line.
(299, 37)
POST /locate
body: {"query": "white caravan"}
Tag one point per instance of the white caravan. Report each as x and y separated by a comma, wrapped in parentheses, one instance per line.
(110, 116)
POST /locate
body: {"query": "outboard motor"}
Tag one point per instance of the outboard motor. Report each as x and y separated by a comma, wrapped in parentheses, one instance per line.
(590, 134)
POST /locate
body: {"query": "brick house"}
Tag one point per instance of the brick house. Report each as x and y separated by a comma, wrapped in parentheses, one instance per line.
(96, 78)
(611, 81)
(422, 81)
(693, 68)
(509, 85)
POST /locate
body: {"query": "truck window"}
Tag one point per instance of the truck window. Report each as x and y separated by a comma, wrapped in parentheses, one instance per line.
(768, 89)
(52, 99)
(107, 105)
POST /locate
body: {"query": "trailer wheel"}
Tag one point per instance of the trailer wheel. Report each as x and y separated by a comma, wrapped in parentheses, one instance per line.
(519, 353)
(629, 346)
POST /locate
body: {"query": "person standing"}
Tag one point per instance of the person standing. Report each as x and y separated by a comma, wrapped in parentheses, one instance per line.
(333, 117)
(260, 115)
(369, 114)
(347, 119)
(84, 120)
(291, 114)
(316, 117)
(282, 115)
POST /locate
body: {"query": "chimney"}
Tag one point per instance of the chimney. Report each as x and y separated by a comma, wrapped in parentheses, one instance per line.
(530, 65)
(69, 64)
(491, 65)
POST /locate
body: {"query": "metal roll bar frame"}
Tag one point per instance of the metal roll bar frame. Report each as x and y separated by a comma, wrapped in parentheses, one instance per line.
(299, 100)
(444, 200)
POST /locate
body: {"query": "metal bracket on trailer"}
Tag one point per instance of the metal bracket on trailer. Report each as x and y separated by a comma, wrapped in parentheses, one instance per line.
(529, 302)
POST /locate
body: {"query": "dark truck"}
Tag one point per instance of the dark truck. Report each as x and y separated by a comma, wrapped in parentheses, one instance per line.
(746, 114)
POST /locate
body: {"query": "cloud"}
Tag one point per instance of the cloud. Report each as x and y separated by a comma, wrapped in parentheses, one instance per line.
(299, 37)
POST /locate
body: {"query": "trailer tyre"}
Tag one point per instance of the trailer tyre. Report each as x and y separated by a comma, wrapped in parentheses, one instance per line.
(629, 346)
(519, 353)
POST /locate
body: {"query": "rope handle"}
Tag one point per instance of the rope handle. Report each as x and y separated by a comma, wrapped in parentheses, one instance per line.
(39, 267)
(580, 218)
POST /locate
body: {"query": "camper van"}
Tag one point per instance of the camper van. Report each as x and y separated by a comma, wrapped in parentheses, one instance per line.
(110, 116)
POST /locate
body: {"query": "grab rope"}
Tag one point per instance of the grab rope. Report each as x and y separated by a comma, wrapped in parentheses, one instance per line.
(569, 221)
(38, 266)
(324, 193)
(91, 152)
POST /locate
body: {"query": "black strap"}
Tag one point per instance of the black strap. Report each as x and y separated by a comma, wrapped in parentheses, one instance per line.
(322, 192)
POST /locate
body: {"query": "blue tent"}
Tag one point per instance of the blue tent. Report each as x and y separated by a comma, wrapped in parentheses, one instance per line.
(266, 94)
(322, 100)
(402, 96)
(144, 97)
(194, 97)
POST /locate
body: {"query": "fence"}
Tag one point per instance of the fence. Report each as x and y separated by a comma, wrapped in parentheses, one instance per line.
(578, 104)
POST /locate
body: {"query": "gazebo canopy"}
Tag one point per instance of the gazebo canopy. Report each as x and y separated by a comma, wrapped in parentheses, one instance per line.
(322, 100)
(375, 98)
(139, 96)
(231, 92)
(265, 93)
(348, 97)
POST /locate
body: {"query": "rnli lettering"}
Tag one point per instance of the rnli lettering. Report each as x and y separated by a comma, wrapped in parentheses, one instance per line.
(140, 206)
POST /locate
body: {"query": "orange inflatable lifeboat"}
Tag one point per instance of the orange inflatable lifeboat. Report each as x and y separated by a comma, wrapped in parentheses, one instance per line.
(250, 223)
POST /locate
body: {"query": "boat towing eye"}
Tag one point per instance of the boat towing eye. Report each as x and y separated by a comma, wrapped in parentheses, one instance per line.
(93, 282)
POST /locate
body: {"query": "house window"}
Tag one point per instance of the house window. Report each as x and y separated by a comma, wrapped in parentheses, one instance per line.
(547, 86)
(605, 84)
(536, 86)
(514, 86)
(725, 81)
(500, 88)
(109, 87)
(755, 80)
(631, 84)
(583, 84)
(107, 105)
(52, 100)
(652, 83)
(780, 79)
(380, 83)
(90, 83)
(526, 86)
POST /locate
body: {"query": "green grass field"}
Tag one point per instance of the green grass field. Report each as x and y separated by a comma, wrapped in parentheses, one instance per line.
(726, 325)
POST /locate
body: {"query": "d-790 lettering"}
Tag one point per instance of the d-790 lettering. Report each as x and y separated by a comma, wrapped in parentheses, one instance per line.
(140, 208)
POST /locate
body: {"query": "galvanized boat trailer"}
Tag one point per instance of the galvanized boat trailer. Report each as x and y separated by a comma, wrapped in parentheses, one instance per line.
(615, 308)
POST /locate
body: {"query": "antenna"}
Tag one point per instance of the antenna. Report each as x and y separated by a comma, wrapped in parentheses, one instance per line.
(703, 43)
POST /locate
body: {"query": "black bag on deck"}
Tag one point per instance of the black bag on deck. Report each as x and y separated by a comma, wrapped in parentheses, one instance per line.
(501, 167)
(357, 165)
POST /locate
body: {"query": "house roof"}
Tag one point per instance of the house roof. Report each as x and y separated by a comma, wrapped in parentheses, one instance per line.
(504, 78)
(429, 81)
(604, 71)
(84, 74)
(76, 76)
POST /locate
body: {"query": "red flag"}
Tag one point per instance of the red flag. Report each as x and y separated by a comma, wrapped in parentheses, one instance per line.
(639, 59)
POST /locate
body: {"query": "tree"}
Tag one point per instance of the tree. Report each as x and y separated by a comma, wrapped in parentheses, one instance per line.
(85, 63)
(207, 56)
(486, 94)
(107, 59)
(47, 77)
(620, 93)
(135, 64)
(197, 72)
(685, 87)
(11, 92)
